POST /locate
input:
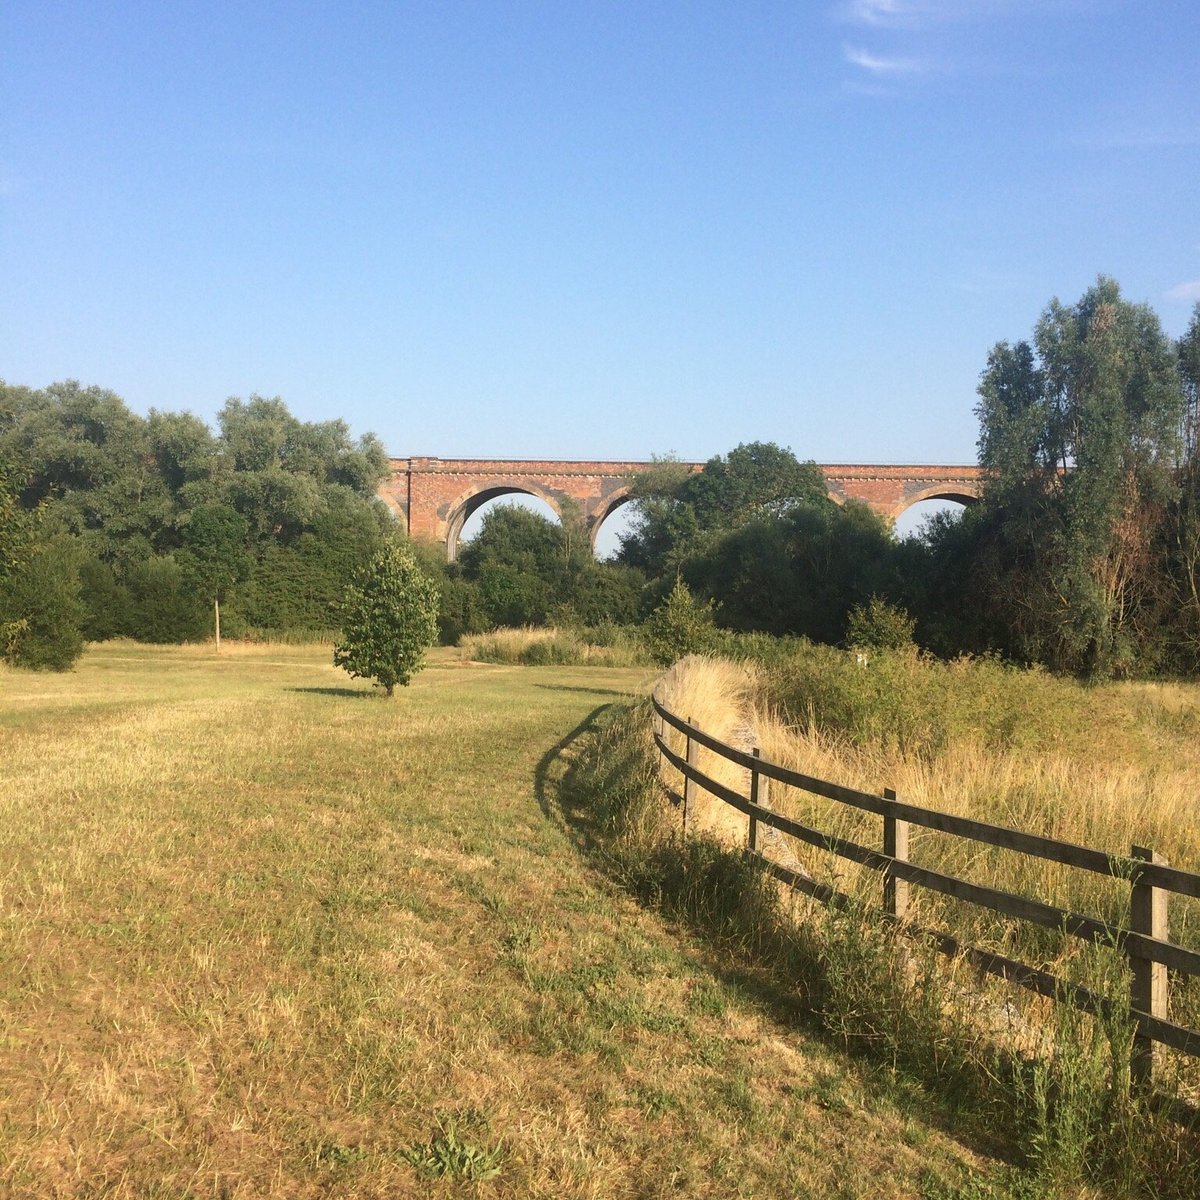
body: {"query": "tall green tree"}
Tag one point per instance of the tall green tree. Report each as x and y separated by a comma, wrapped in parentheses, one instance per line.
(215, 556)
(41, 615)
(1080, 434)
(523, 564)
(677, 509)
(1183, 527)
(86, 457)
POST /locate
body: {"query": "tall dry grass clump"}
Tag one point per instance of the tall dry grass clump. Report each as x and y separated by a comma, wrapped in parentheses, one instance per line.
(718, 696)
(603, 646)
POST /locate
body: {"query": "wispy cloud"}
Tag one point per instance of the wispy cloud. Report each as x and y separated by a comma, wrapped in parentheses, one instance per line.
(877, 64)
(885, 20)
(883, 14)
(1186, 292)
(876, 12)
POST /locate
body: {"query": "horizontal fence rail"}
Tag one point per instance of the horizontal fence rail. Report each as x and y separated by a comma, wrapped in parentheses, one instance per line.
(1145, 944)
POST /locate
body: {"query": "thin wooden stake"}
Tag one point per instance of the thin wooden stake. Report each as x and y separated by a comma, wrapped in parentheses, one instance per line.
(760, 794)
(689, 786)
(895, 845)
(1148, 989)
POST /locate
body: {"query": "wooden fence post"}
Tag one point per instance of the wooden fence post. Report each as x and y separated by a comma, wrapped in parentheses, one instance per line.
(1148, 990)
(895, 845)
(760, 794)
(689, 786)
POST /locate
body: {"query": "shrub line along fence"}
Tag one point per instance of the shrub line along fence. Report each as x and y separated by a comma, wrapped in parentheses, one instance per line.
(1146, 943)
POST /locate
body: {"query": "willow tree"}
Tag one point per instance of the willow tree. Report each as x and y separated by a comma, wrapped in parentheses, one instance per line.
(1080, 432)
(1183, 538)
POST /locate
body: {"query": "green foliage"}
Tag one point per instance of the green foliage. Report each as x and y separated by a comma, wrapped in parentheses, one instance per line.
(164, 606)
(679, 626)
(215, 556)
(921, 705)
(89, 461)
(878, 625)
(41, 615)
(605, 645)
(108, 605)
(269, 517)
(522, 569)
(753, 479)
(389, 619)
(520, 561)
(1080, 433)
(448, 1154)
(676, 508)
(1182, 531)
(756, 534)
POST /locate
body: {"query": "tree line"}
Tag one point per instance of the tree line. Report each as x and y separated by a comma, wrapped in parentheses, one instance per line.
(121, 525)
(1083, 554)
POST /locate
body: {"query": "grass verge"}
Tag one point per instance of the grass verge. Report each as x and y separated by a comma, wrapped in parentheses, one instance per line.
(1051, 1086)
(264, 933)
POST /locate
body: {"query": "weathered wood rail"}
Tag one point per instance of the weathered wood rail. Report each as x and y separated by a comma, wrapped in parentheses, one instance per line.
(1145, 943)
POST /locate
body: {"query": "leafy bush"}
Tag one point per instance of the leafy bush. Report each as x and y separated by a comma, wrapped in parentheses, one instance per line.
(920, 705)
(389, 619)
(679, 626)
(163, 606)
(41, 615)
(608, 646)
(878, 625)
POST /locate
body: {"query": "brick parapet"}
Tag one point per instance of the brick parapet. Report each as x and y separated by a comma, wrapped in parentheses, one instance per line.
(434, 496)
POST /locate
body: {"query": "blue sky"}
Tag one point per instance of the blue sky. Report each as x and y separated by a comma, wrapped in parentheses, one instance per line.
(579, 229)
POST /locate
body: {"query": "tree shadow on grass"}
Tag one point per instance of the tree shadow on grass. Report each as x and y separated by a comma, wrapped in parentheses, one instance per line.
(586, 691)
(345, 692)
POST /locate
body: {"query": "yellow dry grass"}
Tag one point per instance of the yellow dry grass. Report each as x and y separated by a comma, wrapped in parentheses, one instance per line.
(717, 696)
(1134, 781)
(263, 933)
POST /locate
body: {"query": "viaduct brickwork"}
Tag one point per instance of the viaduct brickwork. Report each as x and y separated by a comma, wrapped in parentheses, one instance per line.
(434, 497)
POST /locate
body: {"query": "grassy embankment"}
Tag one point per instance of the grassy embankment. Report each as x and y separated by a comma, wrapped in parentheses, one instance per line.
(266, 934)
(1106, 767)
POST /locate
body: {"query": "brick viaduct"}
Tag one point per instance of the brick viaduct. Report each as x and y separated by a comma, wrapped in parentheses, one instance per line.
(434, 497)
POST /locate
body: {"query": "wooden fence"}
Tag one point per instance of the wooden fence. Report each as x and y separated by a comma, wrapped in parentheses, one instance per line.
(1145, 944)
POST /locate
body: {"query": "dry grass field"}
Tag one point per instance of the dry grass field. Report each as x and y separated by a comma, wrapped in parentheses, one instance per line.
(263, 933)
(1107, 767)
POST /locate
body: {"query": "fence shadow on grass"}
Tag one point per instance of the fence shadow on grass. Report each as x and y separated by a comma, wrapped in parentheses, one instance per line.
(745, 944)
(553, 770)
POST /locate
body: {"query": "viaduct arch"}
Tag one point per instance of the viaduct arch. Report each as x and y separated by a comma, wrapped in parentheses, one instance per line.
(434, 497)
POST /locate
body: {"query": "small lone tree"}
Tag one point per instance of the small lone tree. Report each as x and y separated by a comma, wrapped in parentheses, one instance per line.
(389, 619)
(680, 625)
(879, 625)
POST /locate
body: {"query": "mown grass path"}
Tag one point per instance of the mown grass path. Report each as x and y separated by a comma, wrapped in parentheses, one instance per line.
(263, 933)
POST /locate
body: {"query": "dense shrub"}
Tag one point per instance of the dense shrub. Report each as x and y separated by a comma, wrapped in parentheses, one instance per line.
(921, 705)
(163, 607)
(679, 626)
(41, 614)
(878, 625)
